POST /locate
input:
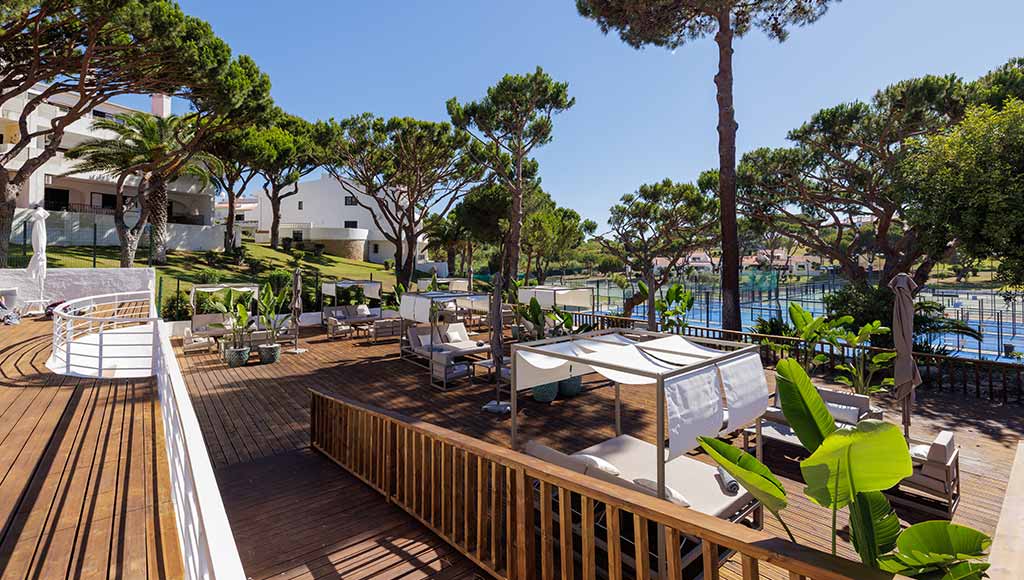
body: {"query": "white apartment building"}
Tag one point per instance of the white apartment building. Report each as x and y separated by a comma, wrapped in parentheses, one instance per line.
(323, 212)
(79, 202)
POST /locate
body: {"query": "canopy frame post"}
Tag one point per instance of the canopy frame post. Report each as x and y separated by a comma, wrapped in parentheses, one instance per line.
(514, 396)
(660, 434)
(618, 410)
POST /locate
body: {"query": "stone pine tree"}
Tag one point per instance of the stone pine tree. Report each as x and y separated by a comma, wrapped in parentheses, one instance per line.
(507, 125)
(236, 154)
(672, 23)
(92, 51)
(660, 220)
(289, 152)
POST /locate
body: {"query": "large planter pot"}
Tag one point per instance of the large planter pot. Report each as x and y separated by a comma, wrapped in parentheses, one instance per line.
(1009, 349)
(517, 332)
(236, 357)
(570, 387)
(269, 353)
(545, 393)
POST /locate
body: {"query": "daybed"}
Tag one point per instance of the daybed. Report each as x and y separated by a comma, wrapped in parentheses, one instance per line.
(693, 384)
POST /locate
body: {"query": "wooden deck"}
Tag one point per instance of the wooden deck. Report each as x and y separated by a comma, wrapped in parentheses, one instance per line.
(84, 489)
(257, 416)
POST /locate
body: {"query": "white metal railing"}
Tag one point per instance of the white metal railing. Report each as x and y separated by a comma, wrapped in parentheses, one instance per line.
(122, 335)
(207, 544)
(109, 331)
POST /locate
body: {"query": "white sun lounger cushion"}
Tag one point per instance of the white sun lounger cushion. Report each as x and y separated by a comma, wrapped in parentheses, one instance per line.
(554, 456)
(695, 480)
(594, 462)
(844, 413)
(651, 487)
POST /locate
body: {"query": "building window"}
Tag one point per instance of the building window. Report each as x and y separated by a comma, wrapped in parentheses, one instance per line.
(351, 224)
(300, 206)
(296, 235)
(350, 200)
(103, 200)
(239, 217)
(376, 248)
(56, 199)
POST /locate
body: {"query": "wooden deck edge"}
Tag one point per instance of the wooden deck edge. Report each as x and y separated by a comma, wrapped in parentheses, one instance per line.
(1007, 556)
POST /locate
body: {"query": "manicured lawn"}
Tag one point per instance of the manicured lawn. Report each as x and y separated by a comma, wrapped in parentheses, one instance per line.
(183, 268)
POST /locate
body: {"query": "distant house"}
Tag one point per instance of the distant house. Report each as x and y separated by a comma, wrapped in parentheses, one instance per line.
(324, 213)
(246, 214)
(793, 265)
(79, 202)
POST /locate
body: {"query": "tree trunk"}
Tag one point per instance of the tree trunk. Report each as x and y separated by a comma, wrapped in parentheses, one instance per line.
(157, 200)
(7, 205)
(129, 246)
(730, 262)
(229, 225)
(399, 262)
(515, 226)
(275, 220)
(652, 321)
(450, 256)
(630, 303)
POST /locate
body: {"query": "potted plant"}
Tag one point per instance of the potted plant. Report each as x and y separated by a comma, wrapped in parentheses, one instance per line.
(237, 351)
(270, 305)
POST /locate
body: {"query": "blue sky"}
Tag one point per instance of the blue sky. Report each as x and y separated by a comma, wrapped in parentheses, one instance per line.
(641, 115)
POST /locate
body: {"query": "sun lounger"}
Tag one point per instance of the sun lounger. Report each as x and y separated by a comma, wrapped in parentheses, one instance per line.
(192, 343)
(934, 486)
(847, 409)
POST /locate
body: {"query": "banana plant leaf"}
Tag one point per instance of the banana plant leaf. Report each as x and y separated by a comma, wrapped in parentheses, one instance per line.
(802, 405)
(749, 472)
(938, 546)
(873, 456)
(874, 526)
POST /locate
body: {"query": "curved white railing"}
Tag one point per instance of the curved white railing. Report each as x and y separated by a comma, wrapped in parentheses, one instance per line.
(119, 335)
(109, 335)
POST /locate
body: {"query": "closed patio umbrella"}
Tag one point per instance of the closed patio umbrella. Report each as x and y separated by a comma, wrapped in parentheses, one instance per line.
(296, 307)
(37, 265)
(905, 371)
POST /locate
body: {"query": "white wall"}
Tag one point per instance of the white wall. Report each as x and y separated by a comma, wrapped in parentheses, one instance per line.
(76, 229)
(73, 283)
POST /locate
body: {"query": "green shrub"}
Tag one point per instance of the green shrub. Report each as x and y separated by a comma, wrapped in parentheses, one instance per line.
(256, 266)
(176, 307)
(351, 295)
(389, 265)
(208, 276)
(318, 250)
(774, 326)
(206, 303)
(297, 257)
(211, 258)
(279, 279)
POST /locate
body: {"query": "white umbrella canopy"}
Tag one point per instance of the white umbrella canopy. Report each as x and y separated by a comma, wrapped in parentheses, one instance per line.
(37, 265)
(905, 372)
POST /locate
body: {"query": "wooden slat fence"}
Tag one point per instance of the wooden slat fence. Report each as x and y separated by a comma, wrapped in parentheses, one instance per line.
(521, 518)
(996, 381)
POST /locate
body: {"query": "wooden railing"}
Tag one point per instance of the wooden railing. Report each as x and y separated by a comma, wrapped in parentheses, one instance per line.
(520, 518)
(995, 381)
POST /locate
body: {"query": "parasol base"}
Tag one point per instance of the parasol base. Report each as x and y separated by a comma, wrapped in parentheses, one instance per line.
(498, 407)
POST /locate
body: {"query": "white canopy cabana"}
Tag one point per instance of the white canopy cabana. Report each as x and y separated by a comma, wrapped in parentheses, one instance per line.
(371, 288)
(454, 284)
(254, 289)
(559, 296)
(691, 380)
(440, 345)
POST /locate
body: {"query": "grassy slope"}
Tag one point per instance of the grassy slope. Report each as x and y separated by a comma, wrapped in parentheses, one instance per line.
(184, 267)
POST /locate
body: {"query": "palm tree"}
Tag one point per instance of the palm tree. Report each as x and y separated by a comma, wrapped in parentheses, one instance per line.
(446, 234)
(155, 151)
